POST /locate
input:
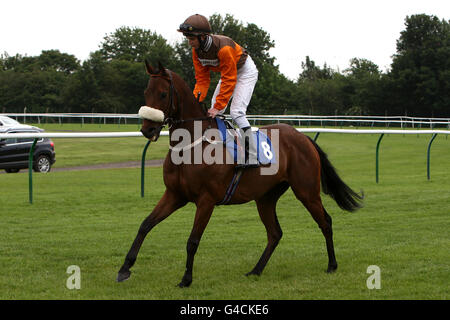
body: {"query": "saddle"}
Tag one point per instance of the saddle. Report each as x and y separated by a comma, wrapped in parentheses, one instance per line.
(232, 139)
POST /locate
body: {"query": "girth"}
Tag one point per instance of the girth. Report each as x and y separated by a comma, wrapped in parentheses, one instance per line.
(232, 187)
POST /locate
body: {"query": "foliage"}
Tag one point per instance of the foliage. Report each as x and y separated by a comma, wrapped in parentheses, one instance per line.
(312, 73)
(113, 78)
(421, 68)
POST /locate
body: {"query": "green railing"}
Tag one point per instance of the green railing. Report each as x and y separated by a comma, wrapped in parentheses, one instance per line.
(143, 167)
(30, 170)
(317, 131)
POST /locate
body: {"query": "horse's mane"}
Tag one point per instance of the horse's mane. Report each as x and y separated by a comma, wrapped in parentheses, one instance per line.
(188, 92)
(182, 88)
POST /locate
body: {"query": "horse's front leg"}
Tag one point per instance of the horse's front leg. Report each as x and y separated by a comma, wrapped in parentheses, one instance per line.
(166, 206)
(202, 215)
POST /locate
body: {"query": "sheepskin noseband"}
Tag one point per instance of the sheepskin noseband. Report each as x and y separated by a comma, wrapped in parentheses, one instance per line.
(151, 114)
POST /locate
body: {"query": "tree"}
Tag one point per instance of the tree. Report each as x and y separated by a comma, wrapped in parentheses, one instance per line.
(136, 45)
(35, 82)
(18, 63)
(360, 68)
(312, 72)
(254, 39)
(184, 58)
(274, 93)
(48, 60)
(53, 60)
(365, 81)
(106, 86)
(319, 94)
(421, 67)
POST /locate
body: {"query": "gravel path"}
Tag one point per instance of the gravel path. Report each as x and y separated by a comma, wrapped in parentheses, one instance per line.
(129, 164)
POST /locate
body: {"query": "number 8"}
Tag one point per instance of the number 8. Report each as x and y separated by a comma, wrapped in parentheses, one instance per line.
(266, 149)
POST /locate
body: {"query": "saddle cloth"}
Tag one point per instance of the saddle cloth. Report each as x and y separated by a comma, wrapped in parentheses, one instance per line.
(231, 137)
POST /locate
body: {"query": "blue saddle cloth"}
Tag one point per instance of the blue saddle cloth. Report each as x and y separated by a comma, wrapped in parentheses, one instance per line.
(265, 152)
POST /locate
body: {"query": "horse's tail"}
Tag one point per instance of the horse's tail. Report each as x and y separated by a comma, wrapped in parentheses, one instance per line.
(332, 184)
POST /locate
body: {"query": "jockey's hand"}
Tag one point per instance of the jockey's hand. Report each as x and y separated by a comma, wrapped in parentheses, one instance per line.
(212, 112)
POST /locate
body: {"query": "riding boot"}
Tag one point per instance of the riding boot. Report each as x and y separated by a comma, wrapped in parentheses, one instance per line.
(250, 151)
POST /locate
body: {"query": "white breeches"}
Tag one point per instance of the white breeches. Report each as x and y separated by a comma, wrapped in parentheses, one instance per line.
(247, 76)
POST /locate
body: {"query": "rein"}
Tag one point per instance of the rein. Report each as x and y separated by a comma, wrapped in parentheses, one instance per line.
(195, 143)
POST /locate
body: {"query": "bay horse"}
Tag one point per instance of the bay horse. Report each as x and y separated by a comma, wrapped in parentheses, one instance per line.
(302, 165)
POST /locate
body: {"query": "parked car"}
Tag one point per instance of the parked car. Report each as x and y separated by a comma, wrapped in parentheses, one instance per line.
(14, 152)
(8, 122)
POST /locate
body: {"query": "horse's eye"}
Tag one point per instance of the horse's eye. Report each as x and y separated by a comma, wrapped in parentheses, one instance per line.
(163, 95)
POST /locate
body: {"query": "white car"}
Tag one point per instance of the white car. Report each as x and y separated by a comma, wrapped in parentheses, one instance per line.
(8, 122)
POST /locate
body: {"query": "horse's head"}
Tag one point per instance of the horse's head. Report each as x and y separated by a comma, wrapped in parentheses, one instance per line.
(159, 101)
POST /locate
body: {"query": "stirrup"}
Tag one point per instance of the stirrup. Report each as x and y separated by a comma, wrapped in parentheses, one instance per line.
(246, 166)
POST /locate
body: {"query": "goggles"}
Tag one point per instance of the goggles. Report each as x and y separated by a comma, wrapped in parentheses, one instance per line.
(190, 31)
(186, 28)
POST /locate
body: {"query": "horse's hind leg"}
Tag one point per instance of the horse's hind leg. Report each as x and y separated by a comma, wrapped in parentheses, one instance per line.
(332, 263)
(166, 206)
(267, 212)
(324, 222)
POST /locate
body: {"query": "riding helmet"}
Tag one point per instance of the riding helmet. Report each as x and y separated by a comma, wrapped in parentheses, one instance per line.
(195, 25)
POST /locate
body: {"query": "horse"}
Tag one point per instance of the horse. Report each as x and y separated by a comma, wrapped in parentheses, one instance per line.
(302, 165)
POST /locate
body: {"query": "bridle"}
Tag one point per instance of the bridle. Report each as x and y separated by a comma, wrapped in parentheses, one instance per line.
(170, 120)
(171, 107)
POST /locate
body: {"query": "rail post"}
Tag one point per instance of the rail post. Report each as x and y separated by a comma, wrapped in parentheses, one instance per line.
(377, 156)
(30, 170)
(428, 155)
(143, 168)
(316, 136)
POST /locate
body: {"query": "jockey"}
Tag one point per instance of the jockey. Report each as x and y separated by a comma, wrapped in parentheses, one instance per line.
(238, 76)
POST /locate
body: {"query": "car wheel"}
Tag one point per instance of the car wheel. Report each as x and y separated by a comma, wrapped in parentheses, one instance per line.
(12, 170)
(42, 164)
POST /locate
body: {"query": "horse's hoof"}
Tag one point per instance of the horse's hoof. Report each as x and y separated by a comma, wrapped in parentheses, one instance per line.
(185, 281)
(252, 273)
(331, 269)
(122, 276)
(184, 284)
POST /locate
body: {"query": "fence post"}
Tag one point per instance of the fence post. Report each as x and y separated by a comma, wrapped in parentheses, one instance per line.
(428, 155)
(143, 168)
(30, 170)
(376, 157)
(316, 136)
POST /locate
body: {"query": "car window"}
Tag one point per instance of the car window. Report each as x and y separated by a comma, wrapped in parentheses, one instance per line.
(10, 140)
(21, 140)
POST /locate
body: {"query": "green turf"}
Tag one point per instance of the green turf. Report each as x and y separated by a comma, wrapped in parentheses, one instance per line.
(90, 218)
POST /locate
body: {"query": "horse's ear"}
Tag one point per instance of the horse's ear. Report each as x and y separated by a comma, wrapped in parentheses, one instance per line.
(161, 68)
(148, 67)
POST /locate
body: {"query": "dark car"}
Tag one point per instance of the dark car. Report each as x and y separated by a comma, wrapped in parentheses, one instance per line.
(14, 152)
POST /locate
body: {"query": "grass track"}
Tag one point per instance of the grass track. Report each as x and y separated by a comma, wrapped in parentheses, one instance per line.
(90, 218)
